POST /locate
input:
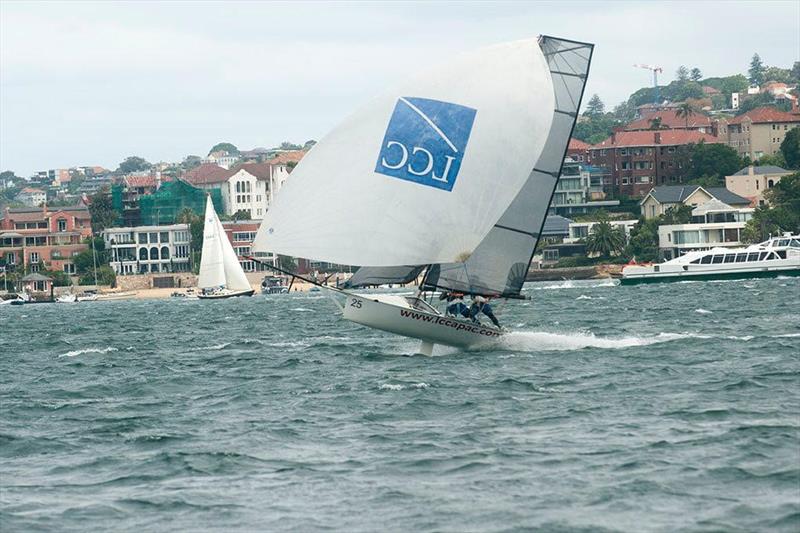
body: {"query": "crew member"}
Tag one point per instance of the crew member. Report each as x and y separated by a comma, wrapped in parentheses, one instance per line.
(481, 305)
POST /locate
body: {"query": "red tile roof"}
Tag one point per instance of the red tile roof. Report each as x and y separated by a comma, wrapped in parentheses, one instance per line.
(207, 173)
(30, 190)
(577, 144)
(648, 138)
(766, 115)
(261, 171)
(140, 181)
(670, 120)
(287, 157)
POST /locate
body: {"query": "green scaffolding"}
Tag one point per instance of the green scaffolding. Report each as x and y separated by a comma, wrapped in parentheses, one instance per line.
(165, 205)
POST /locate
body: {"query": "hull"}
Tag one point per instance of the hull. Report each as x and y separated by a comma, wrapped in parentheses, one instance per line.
(426, 326)
(222, 296)
(666, 277)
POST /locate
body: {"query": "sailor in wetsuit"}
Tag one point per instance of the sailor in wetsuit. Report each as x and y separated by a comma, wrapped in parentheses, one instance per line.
(481, 305)
(456, 305)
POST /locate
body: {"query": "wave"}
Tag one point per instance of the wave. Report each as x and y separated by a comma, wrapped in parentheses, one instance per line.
(398, 387)
(703, 311)
(546, 341)
(570, 284)
(75, 353)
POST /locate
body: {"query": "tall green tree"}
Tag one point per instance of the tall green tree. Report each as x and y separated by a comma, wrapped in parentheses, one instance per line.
(224, 147)
(594, 106)
(191, 161)
(286, 145)
(790, 148)
(102, 210)
(695, 75)
(756, 70)
(643, 242)
(604, 239)
(682, 74)
(686, 110)
(133, 164)
(713, 160)
(781, 214)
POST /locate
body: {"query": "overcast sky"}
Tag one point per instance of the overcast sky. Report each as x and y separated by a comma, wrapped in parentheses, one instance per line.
(92, 83)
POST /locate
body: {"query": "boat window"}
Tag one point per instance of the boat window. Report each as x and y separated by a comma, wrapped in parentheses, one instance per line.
(781, 254)
(706, 260)
(696, 261)
(741, 258)
(783, 242)
(762, 256)
(730, 258)
(752, 256)
(717, 259)
(795, 243)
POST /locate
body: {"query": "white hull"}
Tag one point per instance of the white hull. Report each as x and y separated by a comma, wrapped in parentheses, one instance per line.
(225, 294)
(395, 316)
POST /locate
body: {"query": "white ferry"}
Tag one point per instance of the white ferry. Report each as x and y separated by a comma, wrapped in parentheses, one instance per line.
(778, 256)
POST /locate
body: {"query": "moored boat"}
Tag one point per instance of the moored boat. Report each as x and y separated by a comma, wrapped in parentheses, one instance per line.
(777, 256)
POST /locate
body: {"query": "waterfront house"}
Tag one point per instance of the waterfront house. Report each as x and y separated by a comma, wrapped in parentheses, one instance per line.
(34, 239)
(659, 200)
(580, 231)
(751, 182)
(578, 150)
(670, 120)
(146, 249)
(714, 224)
(579, 189)
(37, 284)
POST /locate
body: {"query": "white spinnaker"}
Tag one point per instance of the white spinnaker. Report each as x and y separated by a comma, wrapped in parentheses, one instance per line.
(235, 279)
(335, 206)
(212, 269)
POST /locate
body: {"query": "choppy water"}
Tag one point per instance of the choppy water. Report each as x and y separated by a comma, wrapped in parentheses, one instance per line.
(646, 408)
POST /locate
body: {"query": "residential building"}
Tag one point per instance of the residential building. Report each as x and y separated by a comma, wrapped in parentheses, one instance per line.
(579, 189)
(146, 249)
(31, 197)
(221, 159)
(35, 239)
(659, 200)
(578, 150)
(669, 119)
(760, 131)
(751, 182)
(242, 233)
(714, 224)
(250, 187)
(638, 160)
(579, 231)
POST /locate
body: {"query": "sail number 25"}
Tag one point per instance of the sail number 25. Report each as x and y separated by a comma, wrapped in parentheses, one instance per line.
(355, 302)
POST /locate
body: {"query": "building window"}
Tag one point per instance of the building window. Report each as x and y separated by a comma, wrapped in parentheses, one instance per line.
(770, 184)
(153, 253)
(62, 224)
(11, 258)
(69, 268)
(143, 238)
(34, 257)
(164, 252)
(34, 268)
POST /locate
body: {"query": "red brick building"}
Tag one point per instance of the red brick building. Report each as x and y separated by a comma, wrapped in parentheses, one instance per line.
(35, 239)
(636, 161)
(669, 119)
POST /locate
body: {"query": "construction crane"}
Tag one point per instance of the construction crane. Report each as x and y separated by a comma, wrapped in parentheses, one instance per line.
(655, 70)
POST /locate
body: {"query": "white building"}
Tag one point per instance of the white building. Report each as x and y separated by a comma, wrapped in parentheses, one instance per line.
(714, 224)
(144, 249)
(250, 187)
(31, 197)
(221, 159)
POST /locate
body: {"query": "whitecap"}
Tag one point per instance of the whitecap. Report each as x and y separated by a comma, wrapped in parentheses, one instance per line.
(788, 335)
(75, 353)
(421, 385)
(526, 341)
(703, 311)
(390, 386)
(215, 346)
(303, 309)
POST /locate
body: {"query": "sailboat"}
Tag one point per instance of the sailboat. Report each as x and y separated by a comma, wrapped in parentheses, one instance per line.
(448, 177)
(221, 275)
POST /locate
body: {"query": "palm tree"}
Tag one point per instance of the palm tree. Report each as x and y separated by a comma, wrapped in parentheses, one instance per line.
(686, 110)
(605, 239)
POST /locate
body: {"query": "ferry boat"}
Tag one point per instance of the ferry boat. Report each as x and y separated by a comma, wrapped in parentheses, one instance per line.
(778, 256)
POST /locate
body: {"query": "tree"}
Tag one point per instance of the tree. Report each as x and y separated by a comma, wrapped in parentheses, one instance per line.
(133, 164)
(754, 101)
(596, 129)
(680, 214)
(60, 278)
(287, 263)
(241, 214)
(782, 213)
(686, 110)
(624, 112)
(713, 160)
(286, 145)
(794, 74)
(196, 227)
(604, 239)
(790, 148)
(224, 147)
(695, 75)
(308, 145)
(191, 161)
(105, 276)
(655, 123)
(682, 74)
(595, 106)
(782, 75)
(102, 210)
(756, 70)
(643, 242)
(775, 160)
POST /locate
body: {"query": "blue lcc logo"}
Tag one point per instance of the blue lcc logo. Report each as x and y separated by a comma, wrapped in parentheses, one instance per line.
(425, 142)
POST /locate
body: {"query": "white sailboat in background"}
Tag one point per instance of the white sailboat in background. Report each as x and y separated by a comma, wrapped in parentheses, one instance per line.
(221, 275)
(451, 175)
